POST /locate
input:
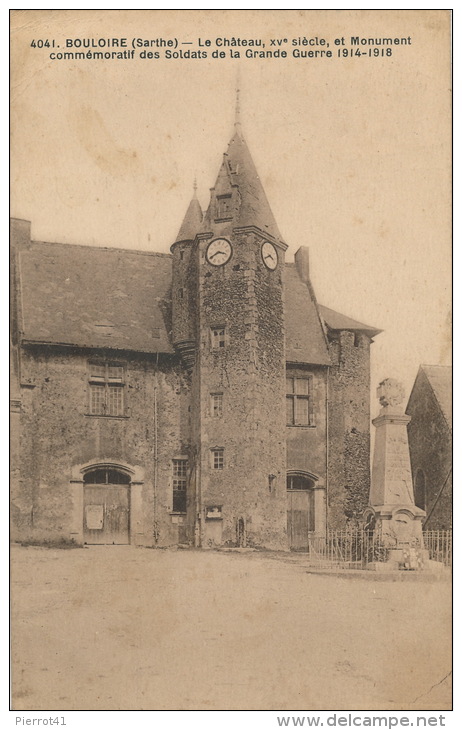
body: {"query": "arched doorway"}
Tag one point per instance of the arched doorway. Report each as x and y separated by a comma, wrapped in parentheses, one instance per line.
(106, 506)
(300, 509)
(419, 489)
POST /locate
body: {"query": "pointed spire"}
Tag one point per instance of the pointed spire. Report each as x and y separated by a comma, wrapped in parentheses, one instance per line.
(237, 112)
(193, 219)
(237, 116)
(250, 207)
(238, 198)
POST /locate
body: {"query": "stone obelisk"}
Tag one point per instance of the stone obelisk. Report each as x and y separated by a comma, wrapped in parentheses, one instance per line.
(397, 520)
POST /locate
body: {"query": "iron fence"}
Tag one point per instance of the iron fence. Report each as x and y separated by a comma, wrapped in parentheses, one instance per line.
(345, 549)
(353, 549)
(439, 545)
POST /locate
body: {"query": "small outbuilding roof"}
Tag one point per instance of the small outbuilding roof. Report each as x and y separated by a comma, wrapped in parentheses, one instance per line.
(440, 380)
(336, 321)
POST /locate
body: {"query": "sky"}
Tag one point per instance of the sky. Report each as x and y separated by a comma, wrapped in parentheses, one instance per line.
(354, 153)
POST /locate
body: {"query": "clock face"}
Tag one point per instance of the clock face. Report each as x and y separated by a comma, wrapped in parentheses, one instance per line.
(269, 255)
(219, 252)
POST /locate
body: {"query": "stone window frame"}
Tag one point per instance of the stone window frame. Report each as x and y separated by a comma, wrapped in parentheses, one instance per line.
(218, 337)
(224, 212)
(216, 404)
(217, 456)
(295, 398)
(109, 384)
(309, 479)
(180, 475)
(123, 475)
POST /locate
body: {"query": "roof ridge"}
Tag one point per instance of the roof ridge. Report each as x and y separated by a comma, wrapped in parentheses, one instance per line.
(351, 324)
(428, 365)
(137, 251)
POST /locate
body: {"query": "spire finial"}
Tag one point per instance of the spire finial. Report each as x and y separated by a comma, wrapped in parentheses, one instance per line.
(195, 186)
(237, 114)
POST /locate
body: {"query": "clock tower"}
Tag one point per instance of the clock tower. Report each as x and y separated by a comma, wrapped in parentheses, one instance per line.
(228, 326)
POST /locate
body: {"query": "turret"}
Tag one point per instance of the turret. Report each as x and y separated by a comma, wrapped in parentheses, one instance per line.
(184, 283)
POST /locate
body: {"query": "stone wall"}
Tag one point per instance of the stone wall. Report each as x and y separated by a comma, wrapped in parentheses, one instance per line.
(306, 445)
(430, 447)
(349, 427)
(59, 438)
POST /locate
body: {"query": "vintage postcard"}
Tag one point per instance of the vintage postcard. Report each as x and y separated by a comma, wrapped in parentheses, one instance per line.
(231, 428)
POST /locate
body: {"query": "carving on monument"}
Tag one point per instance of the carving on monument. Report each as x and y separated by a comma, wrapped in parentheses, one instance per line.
(390, 392)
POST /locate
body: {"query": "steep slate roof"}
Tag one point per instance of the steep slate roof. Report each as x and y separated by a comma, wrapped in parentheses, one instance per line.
(305, 341)
(120, 299)
(336, 321)
(440, 380)
(192, 221)
(95, 297)
(238, 169)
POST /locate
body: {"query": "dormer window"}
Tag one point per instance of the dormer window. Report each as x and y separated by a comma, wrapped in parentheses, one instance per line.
(223, 207)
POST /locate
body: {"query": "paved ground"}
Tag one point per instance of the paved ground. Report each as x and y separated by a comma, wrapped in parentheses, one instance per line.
(122, 628)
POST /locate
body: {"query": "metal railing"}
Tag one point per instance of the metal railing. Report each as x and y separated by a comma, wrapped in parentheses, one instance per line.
(439, 545)
(345, 549)
(354, 549)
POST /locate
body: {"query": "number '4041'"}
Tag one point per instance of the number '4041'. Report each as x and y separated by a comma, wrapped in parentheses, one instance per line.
(42, 44)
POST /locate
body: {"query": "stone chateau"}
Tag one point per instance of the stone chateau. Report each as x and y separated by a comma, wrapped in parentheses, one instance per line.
(202, 397)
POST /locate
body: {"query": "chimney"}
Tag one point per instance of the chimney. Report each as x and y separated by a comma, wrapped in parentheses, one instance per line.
(302, 262)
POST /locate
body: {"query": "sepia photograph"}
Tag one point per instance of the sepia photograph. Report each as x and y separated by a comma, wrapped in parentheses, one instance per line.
(231, 364)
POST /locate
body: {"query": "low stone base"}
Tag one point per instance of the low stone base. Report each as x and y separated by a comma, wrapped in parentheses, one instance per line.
(381, 567)
(406, 558)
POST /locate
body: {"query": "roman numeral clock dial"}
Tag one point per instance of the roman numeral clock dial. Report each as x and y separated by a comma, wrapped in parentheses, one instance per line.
(269, 255)
(219, 252)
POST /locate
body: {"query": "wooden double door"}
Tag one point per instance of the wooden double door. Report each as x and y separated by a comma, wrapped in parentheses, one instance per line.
(106, 514)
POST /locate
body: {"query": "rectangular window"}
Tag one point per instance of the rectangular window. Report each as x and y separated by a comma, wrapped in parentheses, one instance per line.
(216, 404)
(180, 473)
(107, 384)
(218, 458)
(218, 337)
(299, 401)
(224, 206)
